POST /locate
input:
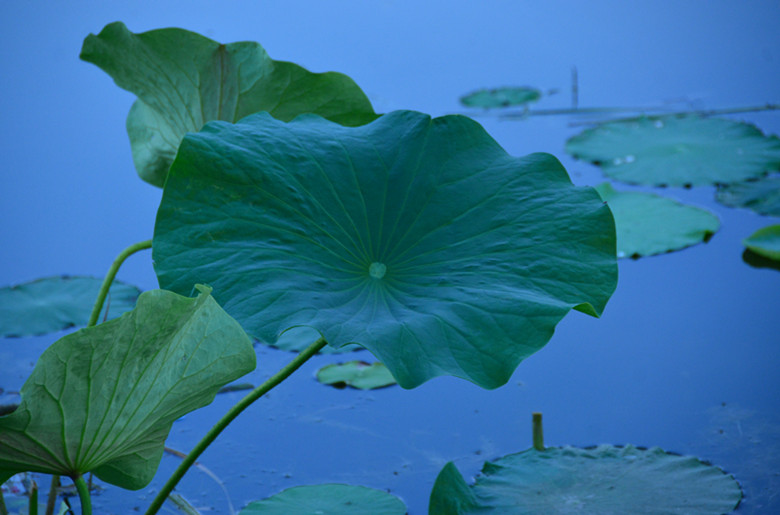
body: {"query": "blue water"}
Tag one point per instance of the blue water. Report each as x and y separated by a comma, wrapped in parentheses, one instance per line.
(686, 354)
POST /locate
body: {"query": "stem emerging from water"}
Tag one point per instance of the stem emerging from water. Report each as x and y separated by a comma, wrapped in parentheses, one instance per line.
(244, 403)
(83, 490)
(538, 435)
(129, 251)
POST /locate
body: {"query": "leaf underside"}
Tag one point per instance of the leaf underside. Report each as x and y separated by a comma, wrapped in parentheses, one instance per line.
(417, 238)
(103, 399)
(183, 80)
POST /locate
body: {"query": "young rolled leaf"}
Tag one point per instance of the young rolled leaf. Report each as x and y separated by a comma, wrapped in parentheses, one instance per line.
(56, 303)
(420, 239)
(678, 150)
(103, 399)
(603, 479)
(649, 224)
(183, 80)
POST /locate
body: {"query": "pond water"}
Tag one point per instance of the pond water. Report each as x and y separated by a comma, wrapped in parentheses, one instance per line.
(685, 356)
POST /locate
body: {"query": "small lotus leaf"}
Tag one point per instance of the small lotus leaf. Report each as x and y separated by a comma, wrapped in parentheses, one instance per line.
(678, 151)
(328, 499)
(762, 195)
(648, 224)
(420, 239)
(765, 242)
(183, 80)
(604, 479)
(357, 374)
(103, 399)
(56, 303)
(298, 338)
(501, 97)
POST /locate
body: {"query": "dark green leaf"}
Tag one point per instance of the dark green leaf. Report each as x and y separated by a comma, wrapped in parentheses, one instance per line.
(184, 80)
(329, 499)
(762, 195)
(56, 303)
(103, 399)
(648, 224)
(501, 97)
(420, 239)
(678, 151)
(357, 374)
(604, 479)
(765, 242)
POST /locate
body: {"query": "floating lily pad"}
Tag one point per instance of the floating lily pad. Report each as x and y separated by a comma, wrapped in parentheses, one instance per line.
(420, 239)
(328, 499)
(357, 374)
(298, 338)
(56, 303)
(604, 479)
(501, 97)
(103, 399)
(183, 80)
(678, 151)
(762, 195)
(765, 242)
(648, 224)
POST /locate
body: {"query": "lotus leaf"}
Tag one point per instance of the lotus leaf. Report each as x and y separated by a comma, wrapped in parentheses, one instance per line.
(103, 399)
(765, 242)
(357, 374)
(648, 224)
(328, 499)
(762, 195)
(420, 239)
(604, 479)
(183, 80)
(57, 303)
(677, 151)
(298, 338)
(501, 97)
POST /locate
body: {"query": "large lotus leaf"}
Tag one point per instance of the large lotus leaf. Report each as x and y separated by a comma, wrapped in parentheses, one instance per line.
(328, 499)
(183, 80)
(648, 224)
(103, 399)
(357, 374)
(762, 195)
(501, 97)
(420, 239)
(765, 242)
(604, 479)
(678, 151)
(57, 303)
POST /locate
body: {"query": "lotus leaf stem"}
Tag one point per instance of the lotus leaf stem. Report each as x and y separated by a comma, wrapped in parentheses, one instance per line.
(52, 500)
(83, 490)
(33, 506)
(538, 435)
(226, 419)
(129, 251)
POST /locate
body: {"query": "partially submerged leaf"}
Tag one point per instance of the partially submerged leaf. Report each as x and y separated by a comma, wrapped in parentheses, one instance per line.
(501, 97)
(103, 399)
(678, 151)
(183, 80)
(420, 239)
(328, 499)
(299, 338)
(648, 224)
(56, 303)
(762, 195)
(357, 374)
(603, 479)
(765, 242)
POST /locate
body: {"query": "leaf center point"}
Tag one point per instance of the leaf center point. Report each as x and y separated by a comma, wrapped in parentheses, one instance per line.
(377, 270)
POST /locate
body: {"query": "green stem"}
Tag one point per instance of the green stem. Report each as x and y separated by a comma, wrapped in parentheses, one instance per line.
(132, 249)
(52, 501)
(3, 509)
(33, 506)
(83, 490)
(538, 435)
(236, 410)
